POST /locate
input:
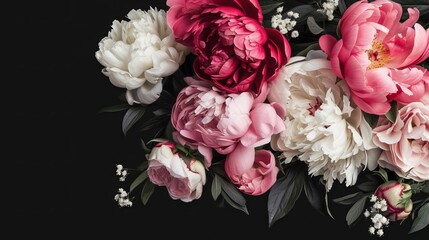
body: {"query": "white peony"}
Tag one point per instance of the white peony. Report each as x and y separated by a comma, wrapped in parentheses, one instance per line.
(137, 54)
(323, 129)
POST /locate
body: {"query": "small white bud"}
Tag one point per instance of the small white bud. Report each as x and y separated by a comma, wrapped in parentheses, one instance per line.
(366, 213)
(380, 232)
(294, 34)
(371, 230)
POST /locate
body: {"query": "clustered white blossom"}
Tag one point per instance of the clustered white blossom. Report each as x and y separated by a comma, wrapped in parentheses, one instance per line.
(120, 171)
(376, 216)
(285, 25)
(328, 8)
(122, 198)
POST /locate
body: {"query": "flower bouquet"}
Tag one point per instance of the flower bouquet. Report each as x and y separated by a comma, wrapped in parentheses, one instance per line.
(243, 98)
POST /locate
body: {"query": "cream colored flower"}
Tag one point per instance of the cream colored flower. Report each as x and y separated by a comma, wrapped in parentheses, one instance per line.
(323, 129)
(137, 54)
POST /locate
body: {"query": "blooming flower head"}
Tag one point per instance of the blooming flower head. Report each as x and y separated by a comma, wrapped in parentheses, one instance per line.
(405, 142)
(377, 54)
(206, 118)
(233, 49)
(184, 180)
(137, 54)
(323, 128)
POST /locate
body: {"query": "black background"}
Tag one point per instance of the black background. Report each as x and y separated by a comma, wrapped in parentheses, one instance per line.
(64, 152)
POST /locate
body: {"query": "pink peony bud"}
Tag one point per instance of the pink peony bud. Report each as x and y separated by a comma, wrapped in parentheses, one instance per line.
(398, 199)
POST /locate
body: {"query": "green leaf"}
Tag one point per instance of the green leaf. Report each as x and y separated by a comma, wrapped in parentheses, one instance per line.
(216, 188)
(139, 179)
(232, 192)
(356, 211)
(131, 117)
(268, 6)
(342, 6)
(143, 166)
(422, 219)
(147, 191)
(313, 26)
(304, 11)
(383, 174)
(412, 2)
(367, 186)
(393, 112)
(145, 148)
(285, 192)
(234, 204)
(313, 46)
(115, 108)
(327, 206)
(426, 187)
(313, 194)
(371, 119)
(348, 199)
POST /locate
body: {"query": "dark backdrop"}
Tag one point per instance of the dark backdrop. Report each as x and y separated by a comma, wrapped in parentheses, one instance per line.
(64, 152)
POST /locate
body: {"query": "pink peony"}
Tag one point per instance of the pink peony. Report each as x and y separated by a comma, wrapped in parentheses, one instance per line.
(377, 55)
(253, 173)
(206, 118)
(233, 49)
(406, 142)
(183, 180)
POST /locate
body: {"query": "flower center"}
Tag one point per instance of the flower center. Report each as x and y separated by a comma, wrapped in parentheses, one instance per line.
(379, 55)
(313, 108)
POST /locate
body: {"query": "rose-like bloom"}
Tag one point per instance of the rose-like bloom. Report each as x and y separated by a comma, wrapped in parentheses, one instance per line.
(405, 142)
(137, 54)
(206, 118)
(323, 128)
(377, 55)
(183, 180)
(253, 173)
(233, 50)
(398, 199)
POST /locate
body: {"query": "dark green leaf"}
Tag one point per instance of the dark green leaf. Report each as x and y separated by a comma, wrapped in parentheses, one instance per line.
(157, 140)
(145, 148)
(143, 166)
(147, 191)
(169, 129)
(367, 186)
(304, 11)
(383, 174)
(393, 111)
(313, 26)
(232, 192)
(233, 203)
(131, 117)
(356, 211)
(327, 206)
(313, 46)
(348, 199)
(139, 179)
(314, 194)
(268, 6)
(285, 192)
(422, 219)
(342, 6)
(412, 2)
(371, 119)
(216, 187)
(426, 187)
(115, 108)
(155, 122)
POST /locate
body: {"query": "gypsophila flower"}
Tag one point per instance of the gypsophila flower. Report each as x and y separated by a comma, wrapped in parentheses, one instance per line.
(122, 172)
(122, 198)
(285, 25)
(376, 215)
(328, 8)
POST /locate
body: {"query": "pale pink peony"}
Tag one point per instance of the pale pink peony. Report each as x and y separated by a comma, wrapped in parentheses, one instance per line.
(206, 118)
(377, 55)
(253, 172)
(406, 142)
(184, 180)
(233, 49)
(398, 199)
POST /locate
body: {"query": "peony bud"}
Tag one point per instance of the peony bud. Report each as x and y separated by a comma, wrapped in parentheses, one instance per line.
(398, 199)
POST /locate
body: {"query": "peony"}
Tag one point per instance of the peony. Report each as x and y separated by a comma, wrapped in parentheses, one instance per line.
(253, 172)
(206, 118)
(139, 53)
(377, 55)
(232, 48)
(323, 128)
(184, 180)
(398, 198)
(406, 142)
